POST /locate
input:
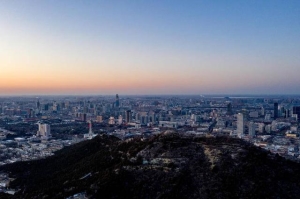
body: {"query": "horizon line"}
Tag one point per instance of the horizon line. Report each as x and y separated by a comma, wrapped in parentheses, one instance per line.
(95, 95)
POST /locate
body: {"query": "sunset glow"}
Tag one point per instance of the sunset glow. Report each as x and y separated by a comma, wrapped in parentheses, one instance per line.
(200, 47)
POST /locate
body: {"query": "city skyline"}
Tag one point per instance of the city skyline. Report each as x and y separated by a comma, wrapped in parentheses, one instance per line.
(149, 48)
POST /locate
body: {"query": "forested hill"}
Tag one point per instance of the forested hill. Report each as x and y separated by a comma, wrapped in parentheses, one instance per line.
(166, 166)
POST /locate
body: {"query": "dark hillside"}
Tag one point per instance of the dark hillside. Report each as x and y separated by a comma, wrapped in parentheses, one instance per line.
(167, 166)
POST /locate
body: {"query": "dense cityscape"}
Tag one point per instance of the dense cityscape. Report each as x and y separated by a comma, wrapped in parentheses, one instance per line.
(149, 99)
(35, 127)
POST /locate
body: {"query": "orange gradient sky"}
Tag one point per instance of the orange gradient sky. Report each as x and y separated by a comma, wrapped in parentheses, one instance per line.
(106, 48)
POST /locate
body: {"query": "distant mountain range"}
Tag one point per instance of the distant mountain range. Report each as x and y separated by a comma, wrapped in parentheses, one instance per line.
(165, 166)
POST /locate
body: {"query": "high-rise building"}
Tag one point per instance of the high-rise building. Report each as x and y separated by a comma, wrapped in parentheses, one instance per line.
(281, 111)
(117, 101)
(240, 125)
(30, 113)
(287, 113)
(262, 111)
(46, 107)
(152, 117)
(275, 110)
(128, 116)
(83, 117)
(144, 119)
(296, 111)
(251, 129)
(137, 116)
(44, 130)
(38, 105)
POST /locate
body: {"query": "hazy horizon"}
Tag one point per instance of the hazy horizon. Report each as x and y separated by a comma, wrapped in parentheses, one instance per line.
(156, 95)
(149, 48)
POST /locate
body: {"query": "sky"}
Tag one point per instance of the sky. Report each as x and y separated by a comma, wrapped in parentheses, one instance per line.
(153, 47)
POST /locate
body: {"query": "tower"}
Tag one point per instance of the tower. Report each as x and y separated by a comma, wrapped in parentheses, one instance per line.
(89, 135)
(117, 101)
(240, 125)
(90, 128)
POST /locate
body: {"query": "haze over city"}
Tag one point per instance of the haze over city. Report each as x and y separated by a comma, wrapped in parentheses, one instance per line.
(150, 47)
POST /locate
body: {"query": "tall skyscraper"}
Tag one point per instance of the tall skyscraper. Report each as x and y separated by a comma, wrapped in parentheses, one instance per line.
(275, 110)
(240, 125)
(128, 116)
(117, 101)
(251, 129)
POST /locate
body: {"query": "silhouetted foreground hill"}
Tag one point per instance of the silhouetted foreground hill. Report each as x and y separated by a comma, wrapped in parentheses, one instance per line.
(167, 166)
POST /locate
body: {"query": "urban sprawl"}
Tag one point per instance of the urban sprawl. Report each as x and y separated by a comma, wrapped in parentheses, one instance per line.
(35, 127)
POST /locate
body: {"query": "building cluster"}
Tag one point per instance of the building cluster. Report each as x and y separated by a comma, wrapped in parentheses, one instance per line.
(268, 122)
(23, 149)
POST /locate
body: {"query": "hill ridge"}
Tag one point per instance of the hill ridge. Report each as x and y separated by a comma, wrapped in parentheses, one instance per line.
(164, 166)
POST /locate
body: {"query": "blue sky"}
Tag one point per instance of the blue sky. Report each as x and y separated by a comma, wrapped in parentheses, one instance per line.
(149, 47)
